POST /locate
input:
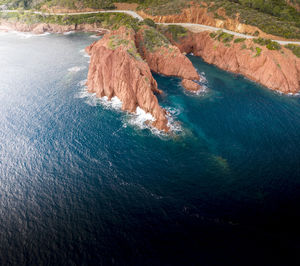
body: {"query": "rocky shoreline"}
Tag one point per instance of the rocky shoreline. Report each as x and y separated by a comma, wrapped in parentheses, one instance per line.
(122, 61)
(277, 70)
(121, 65)
(40, 28)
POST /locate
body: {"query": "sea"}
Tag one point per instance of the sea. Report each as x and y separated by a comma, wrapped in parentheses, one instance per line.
(84, 183)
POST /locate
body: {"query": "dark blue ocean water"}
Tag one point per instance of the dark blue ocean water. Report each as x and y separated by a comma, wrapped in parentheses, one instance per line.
(81, 184)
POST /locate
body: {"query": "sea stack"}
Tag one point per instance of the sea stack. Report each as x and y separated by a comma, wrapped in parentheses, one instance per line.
(117, 69)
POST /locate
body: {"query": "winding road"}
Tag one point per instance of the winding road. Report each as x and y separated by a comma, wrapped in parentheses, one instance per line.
(190, 26)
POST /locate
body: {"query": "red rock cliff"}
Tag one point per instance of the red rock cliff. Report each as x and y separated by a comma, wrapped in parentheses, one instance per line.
(277, 70)
(116, 69)
(165, 58)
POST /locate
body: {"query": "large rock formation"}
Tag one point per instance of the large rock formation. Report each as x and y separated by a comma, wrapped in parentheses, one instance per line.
(165, 58)
(277, 70)
(116, 69)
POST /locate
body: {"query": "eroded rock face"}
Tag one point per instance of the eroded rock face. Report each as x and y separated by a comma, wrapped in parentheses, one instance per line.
(200, 15)
(277, 70)
(116, 69)
(163, 57)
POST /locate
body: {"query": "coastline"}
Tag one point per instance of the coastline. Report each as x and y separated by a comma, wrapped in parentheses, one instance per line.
(40, 28)
(209, 50)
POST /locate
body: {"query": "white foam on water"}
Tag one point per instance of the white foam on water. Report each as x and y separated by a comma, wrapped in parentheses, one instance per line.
(82, 82)
(296, 94)
(69, 32)
(290, 94)
(115, 103)
(173, 124)
(203, 78)
(140, 118)
(91, 98)
(95, 36)
(27, 35)
(23, 35)
(42, 34)
(84, 53)
(76, 68)
(201, 92)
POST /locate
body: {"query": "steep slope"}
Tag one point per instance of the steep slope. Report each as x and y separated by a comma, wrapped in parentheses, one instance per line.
(165, 58)
(275, 69)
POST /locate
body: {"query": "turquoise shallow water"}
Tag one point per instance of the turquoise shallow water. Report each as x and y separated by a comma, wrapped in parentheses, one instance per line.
(81, 183)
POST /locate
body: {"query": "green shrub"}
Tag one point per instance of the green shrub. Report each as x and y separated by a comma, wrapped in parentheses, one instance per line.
(217, 16)
(149, 22)
(260, 41)
(258, 51)
(271, 45)
(224, 36)
(238, 40)
(177, 31)
(213, 35)
(294, 48)
(154, 39)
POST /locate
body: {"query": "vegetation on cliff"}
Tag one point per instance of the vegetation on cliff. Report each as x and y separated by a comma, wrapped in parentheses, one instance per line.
(116, 41)
(176, 31)
(294, 48)
(277, 17)
(271, 45)
(228, 38)
(154, 39)
(71, 4)
(105, 20)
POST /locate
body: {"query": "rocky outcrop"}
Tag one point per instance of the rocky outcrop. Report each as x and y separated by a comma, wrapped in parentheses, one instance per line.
(165, 58)
(116, 69)
(192, 14)
(277, 70)
(191, 86)
(40, 28)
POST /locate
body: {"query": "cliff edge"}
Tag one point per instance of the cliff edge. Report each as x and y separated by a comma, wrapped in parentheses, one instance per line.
(260, 60)
(165, 58)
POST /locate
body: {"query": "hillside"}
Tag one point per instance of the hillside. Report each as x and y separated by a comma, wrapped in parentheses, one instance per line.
(276, 17)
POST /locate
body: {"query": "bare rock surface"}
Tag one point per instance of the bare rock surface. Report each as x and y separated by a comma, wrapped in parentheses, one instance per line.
(116, 69)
